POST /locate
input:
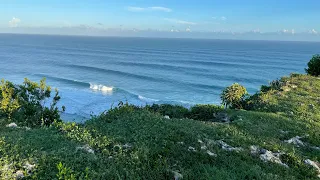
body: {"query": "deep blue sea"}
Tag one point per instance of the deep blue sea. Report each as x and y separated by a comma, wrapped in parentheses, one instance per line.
(93, 73)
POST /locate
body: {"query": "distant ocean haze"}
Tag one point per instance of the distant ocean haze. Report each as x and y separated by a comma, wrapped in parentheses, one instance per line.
(94, 73)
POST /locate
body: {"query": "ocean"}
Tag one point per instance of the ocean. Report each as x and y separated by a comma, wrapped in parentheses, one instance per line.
(95, 73)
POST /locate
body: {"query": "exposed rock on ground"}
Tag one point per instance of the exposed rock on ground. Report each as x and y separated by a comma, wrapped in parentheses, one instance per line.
(167, 117)
(211, 153)
(12, 125)
(267, 156)
(86, 148)
(296, 141)
(177, 176)
(316, 165)
(19, 175)
(227, 147)
(192, 149)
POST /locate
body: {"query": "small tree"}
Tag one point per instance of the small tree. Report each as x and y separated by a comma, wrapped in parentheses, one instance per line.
(233, 96)
(29, 104)
(314, 66)
(8, 98)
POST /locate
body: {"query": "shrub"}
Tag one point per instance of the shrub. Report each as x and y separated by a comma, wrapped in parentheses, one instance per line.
(204, 112)
(26, 103)
(8, 98)
(314, 66)
(173, 111)
(276, 84)
(233, 96)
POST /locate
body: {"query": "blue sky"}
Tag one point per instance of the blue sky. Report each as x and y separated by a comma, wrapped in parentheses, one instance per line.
(283, 19)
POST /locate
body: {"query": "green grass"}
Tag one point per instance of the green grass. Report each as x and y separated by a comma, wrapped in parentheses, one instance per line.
(134, 143)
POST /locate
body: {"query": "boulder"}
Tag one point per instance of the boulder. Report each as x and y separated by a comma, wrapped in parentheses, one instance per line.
(268, 156)
(177, 176)
(12, 125)
(167, 117)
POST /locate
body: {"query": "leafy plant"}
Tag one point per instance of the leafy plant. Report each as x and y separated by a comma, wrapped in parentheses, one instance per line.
(27, 103)
(204, 112)
(314, 66)
(173, 111)
(233, 96)
(8, 98)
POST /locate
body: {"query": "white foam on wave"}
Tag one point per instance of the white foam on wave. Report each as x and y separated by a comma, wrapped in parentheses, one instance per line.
(146, 99)
(100, 87)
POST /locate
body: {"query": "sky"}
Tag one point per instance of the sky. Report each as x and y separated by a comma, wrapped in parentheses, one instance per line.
(222, 19)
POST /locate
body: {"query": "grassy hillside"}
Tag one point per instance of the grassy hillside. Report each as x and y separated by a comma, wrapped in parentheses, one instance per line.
(135, 143)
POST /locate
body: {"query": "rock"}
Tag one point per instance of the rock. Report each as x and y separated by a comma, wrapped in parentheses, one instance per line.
(203, 147)
(254, 150)
(86, 148)
(293, 86)
(177, 176)
(200, 141)
(181, 143)
(19, 175)
(315, 148)
(211, 153)
(284, 132)
(12, 125)
(227, 147)
(192, 149)
(27, 128)
(268, 156)
(296, 141)
(127, 146)
(167, 117)
(29, 167)
(313, 164)
(222, 117)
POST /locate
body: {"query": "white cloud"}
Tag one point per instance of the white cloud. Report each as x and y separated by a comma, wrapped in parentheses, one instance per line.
(288, 31)
(153, 8)
(156, 8)
(180, 21)
(188, 29)
(14, 22)
(223, 18)
(313, 31)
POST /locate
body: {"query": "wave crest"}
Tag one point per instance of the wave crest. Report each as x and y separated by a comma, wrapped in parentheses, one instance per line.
(100, 87)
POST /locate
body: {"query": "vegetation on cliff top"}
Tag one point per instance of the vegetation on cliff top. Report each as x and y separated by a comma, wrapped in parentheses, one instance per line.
(277, 137)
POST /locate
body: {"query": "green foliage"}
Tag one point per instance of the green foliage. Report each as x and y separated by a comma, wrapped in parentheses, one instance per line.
(173, 111)
(277, 84)
(9, 101)
(204, 112)
(65, 173)
(233, 96)
(26, 103)
(314, 66)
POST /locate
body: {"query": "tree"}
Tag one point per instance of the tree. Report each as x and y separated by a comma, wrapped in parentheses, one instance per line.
(233, 96)
(314, 66)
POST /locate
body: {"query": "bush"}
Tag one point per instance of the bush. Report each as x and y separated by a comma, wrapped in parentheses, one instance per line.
(173, 111)
(314, 66)
(233, 96)
(204, 112)
(26, 103)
